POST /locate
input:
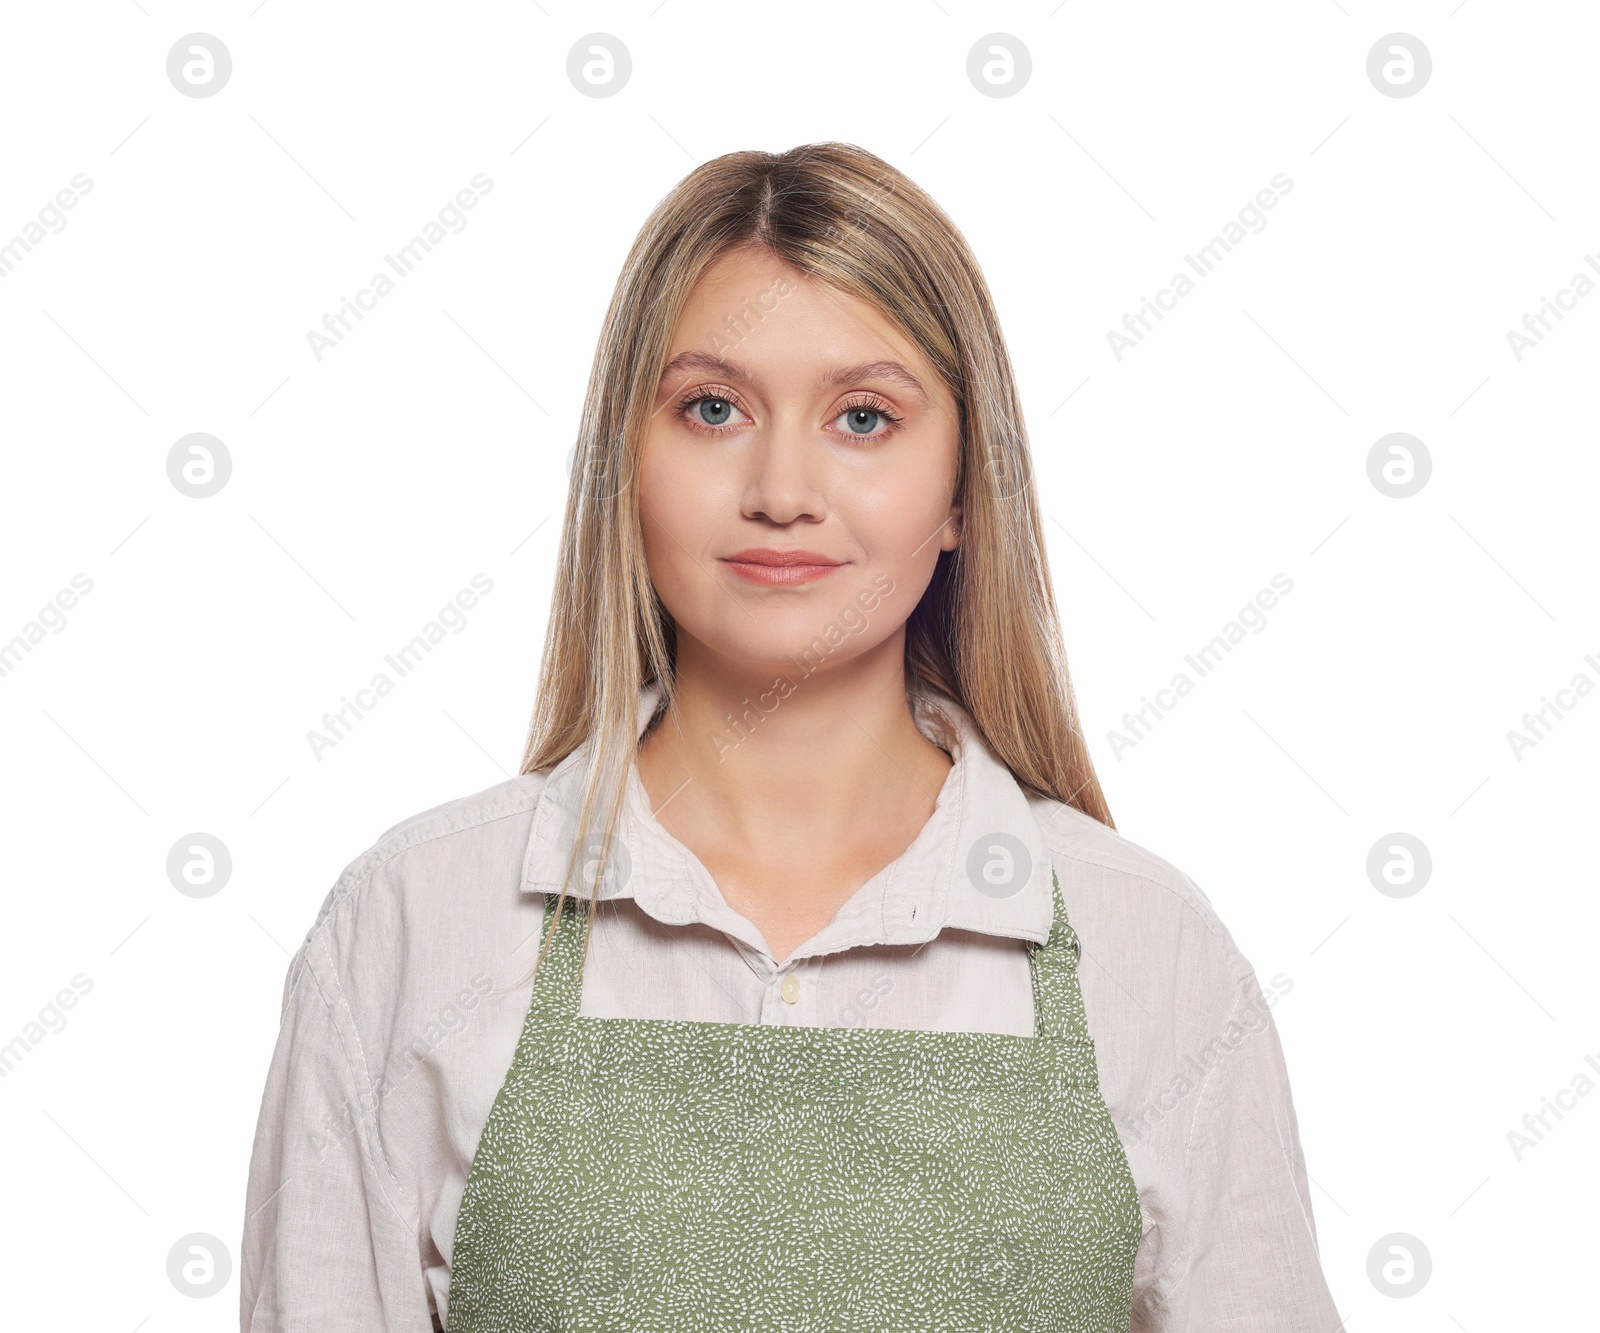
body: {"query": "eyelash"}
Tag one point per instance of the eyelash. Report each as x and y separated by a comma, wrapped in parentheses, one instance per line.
(863, 401)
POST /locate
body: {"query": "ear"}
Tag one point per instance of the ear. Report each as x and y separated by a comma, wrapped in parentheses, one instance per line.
(950, 538)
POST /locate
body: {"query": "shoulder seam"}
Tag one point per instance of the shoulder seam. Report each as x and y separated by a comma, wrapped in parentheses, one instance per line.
(1194, 1127)
(364, 1081)
(1188, 1146)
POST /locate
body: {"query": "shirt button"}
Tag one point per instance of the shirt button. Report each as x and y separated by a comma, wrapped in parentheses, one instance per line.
(790, 990)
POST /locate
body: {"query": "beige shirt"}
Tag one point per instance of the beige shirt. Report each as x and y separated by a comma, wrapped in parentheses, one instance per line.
(401, 1013)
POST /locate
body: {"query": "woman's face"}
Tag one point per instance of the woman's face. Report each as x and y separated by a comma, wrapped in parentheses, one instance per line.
(793, 423)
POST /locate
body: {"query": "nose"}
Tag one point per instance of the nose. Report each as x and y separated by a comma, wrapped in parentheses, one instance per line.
(786, 474)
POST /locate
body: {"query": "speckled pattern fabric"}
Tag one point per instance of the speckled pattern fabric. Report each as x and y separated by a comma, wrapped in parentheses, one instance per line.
(659, 1174)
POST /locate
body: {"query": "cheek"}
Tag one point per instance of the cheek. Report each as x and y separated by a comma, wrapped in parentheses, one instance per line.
(679, 505)
(660, 512)
(897, 518)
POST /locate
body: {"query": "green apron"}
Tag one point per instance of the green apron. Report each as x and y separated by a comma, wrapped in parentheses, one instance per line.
(669, 1174)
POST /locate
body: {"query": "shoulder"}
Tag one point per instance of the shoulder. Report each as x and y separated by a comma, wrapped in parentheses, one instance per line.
(1142, 916)
(502, 801)
(1165, 989)
(434, 838)
(431, 866)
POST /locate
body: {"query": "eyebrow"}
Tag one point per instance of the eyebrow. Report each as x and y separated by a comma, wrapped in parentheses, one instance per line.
(686, 363)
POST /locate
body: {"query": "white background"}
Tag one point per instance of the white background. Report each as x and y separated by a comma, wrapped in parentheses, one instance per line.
(368, 487)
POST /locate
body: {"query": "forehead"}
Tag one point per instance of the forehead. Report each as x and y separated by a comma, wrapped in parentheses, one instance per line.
(771, 313)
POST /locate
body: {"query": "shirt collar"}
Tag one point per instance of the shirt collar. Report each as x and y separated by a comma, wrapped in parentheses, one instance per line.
(979, 863)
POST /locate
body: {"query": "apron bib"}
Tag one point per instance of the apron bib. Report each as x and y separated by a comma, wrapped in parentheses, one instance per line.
(667, 1174)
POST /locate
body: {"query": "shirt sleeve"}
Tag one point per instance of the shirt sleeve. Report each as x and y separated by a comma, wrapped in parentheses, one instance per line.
(1251, 1264)
(329, 1239)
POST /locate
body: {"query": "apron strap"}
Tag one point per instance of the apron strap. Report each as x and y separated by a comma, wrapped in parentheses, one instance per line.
(1057, 1000)
(557, 982)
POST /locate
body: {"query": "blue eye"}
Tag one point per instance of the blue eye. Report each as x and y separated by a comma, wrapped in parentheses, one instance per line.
(866, 420)
(707, 410)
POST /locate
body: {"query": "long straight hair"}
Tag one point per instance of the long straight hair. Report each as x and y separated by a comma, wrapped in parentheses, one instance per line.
(985, 632)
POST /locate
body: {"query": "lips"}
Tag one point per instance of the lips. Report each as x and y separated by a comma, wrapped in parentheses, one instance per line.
(768, 555)
(771, 567)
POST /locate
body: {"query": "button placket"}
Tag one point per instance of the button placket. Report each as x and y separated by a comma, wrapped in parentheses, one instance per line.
(773, 1008)
(800, 992)
(790, 999)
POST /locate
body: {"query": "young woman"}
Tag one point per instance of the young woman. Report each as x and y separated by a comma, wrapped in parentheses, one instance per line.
(848, 1008)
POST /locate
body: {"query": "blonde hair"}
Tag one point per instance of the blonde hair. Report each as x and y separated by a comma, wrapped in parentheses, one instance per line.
(985, 632)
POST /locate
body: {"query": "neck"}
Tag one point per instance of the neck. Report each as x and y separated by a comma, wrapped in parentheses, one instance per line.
(819, 761)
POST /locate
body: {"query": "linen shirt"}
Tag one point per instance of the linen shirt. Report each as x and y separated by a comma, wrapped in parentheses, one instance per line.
(402, 1009)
